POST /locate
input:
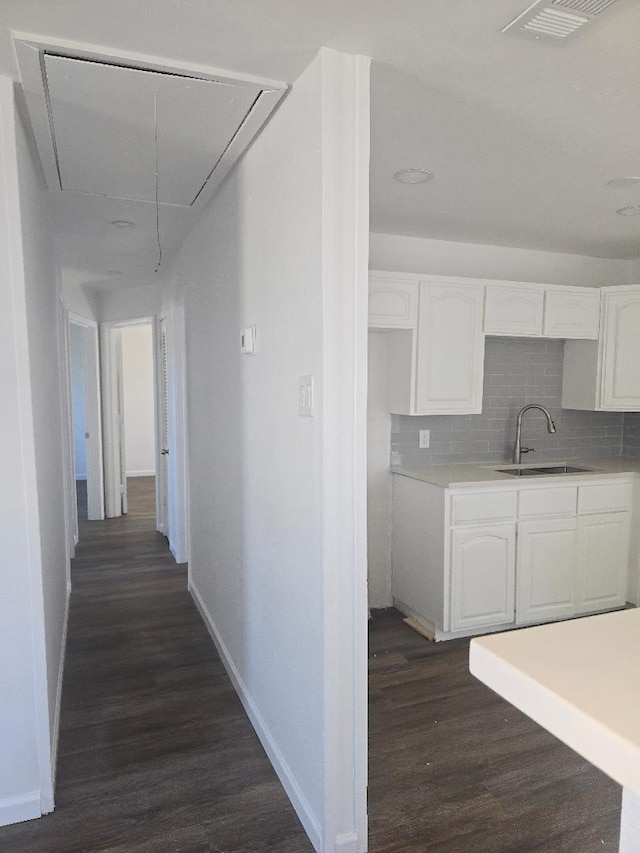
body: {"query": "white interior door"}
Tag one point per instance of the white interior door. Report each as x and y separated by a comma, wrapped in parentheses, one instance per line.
(115, 480)
(93, 433)
(84, 383)
(162, 481)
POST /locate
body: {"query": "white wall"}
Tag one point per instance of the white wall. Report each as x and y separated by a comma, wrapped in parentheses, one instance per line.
(413, 254)
(138, 393)
(280, 585)
(116, 306)
(77, 299)
(33, 571)
(441, 257)
(76, 364)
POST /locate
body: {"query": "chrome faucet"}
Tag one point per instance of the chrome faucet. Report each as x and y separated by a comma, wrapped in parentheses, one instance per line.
(518, 450)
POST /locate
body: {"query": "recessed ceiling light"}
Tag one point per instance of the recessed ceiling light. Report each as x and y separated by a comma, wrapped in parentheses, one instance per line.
(123, 223)
(632, 210)
(413, 176)
(620, 183)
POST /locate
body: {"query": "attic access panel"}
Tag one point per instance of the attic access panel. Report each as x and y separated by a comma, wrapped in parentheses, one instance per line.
(113, 126)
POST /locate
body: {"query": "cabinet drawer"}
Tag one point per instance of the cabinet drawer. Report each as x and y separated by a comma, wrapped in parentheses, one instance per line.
(536, 503)
(485, 506)
(605, 497)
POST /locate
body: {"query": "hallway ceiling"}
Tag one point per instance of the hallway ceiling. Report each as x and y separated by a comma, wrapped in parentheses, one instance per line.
(523, 135)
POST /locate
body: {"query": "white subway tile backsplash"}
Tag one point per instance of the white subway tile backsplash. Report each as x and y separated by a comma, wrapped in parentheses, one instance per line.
(517, 372)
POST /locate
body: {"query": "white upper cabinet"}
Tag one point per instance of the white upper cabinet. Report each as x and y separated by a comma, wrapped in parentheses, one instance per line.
(450, 349)
(605, 375)
(571, 312)
(438, 368)
(541, 310)
(514, 309)
(393, 302)
(621, 350)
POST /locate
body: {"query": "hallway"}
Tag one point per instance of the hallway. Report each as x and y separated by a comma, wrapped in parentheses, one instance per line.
(156, 754)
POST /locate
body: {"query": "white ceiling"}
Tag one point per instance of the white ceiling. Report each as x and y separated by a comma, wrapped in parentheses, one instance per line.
(523, 136)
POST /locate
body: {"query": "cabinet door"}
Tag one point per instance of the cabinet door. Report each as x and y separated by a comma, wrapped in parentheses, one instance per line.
(393, 303)
(513, 309)
(603, 561)
(482, 576)
(450, 359)
(546, 569)
(621, 352)
(572, 312)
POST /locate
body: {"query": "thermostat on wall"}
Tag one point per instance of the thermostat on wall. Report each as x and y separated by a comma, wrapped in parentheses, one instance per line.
(248, 340)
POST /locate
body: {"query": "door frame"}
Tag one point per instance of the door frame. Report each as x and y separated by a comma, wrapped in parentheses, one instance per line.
(93, 415)
(177, 528)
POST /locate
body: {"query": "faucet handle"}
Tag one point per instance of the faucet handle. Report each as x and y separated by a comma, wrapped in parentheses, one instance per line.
(527, 450)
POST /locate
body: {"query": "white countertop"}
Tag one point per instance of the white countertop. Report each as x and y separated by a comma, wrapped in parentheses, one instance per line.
(450, 476)
(579, 679)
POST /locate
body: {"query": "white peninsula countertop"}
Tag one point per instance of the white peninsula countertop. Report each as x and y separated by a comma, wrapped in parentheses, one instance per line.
(488, 473)
(580, 680)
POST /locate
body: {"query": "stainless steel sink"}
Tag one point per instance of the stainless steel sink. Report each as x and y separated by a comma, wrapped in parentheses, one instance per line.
(519, 472)
(542, 471)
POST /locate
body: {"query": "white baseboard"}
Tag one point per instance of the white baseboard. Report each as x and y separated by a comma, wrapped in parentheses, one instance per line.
(18, 809)
(47, 803)
(348, 843)
(151, 473)
(295, 794)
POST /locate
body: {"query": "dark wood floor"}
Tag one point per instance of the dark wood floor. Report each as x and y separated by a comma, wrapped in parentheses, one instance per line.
(156, 753)
(157, 756)
(455, 769)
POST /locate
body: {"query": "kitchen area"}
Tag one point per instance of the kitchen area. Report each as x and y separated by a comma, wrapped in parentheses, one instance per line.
(504, 468)
(514, 426)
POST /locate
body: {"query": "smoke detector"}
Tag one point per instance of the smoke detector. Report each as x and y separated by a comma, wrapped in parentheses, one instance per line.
(556, 20)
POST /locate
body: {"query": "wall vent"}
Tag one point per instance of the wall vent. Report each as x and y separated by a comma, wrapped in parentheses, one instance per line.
(556, 20)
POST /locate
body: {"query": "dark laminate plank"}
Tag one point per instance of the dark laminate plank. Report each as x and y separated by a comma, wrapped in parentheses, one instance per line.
(454, 768)
(156, 753)
(157, 756)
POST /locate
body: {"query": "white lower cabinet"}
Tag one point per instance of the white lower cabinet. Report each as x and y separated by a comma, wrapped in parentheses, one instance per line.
(546, 574)
(603, 559)
(471, 560)
(482, 576)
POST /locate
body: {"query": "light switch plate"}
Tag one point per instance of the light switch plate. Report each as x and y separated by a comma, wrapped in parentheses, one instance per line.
(305, 396)
(248, 340)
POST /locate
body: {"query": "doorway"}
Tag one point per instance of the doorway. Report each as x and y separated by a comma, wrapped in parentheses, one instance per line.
(86, 428)
(129, 410)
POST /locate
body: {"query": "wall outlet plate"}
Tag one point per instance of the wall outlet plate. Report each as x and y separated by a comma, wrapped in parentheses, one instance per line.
(424, 438)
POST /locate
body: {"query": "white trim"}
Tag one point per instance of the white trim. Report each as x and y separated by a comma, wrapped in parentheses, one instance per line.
(29, 50)
(345, 128)
(19, 809)
(304, 811)
(178, 521)
(150, 473)
(47, 803)
(13, 268)
(162, 465)
(93, 407)
(348, 843)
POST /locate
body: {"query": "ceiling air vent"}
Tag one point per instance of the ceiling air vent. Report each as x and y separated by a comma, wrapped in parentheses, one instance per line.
(556, 20)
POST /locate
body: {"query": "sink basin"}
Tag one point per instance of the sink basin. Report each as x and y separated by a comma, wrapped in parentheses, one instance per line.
(542, 471)
(560, 469)
(519, 472)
